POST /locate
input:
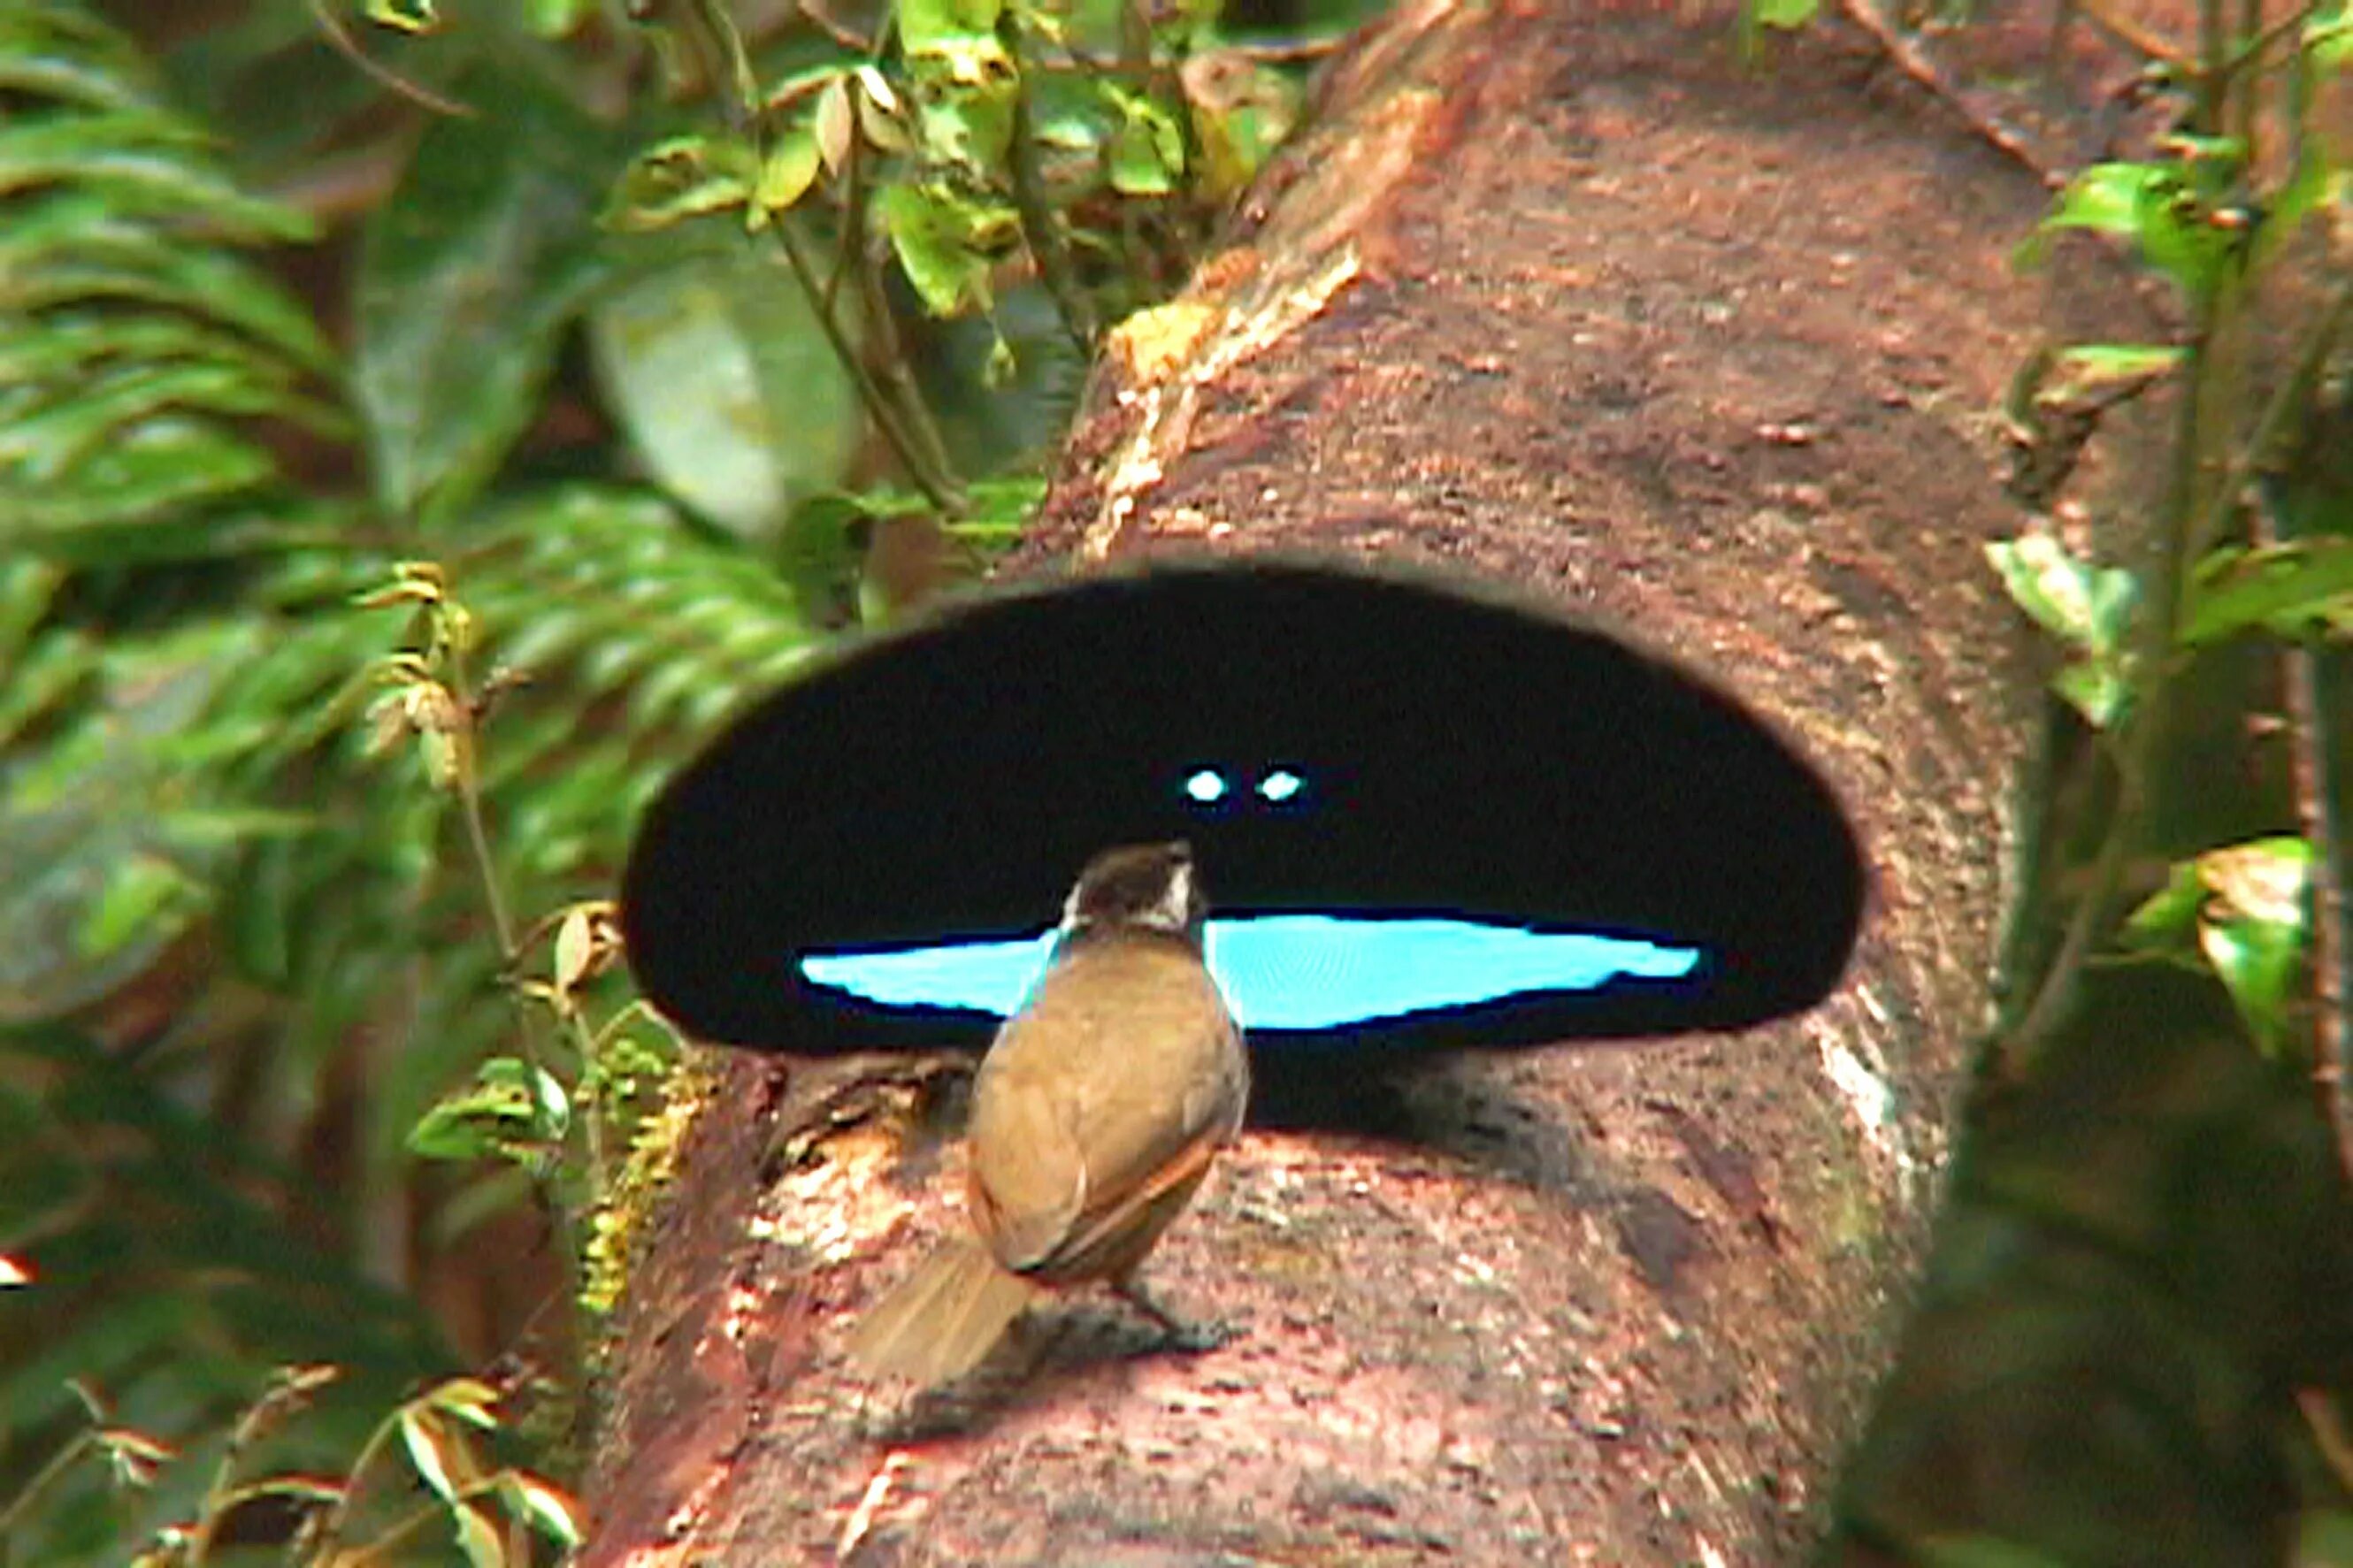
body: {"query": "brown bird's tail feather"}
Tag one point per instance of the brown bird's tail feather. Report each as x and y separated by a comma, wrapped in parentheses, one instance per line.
(943, 1319)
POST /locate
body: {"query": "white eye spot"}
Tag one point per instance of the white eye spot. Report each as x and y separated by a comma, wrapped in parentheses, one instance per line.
(1208, 786)
(1280, 785)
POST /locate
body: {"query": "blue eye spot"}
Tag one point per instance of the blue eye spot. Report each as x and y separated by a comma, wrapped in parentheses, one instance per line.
(1280, 785)
(1208, 786)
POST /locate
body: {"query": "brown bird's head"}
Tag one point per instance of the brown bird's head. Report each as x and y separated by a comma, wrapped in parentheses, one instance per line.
(1137, 887)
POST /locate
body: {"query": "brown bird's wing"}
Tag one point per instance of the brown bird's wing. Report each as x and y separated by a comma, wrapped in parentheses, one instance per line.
(1109, 1242)
(1099, 1108)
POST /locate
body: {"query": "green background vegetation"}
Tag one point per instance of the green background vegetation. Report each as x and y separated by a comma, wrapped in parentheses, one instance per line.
(642, 331)
(419, 424)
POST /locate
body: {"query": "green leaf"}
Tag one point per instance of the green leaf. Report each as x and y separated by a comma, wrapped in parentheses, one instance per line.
(65, 251)
(1001, 507)
(944, 242)
(479, 1538)
(124, 1181)
(819, 552)
(2170, 912)
(1146, 154)
(143, 164)
(548, 1508)
(2211, 164)
(879, 111)
(160, 469)
(74, 345)
(2096, 689)
(47, 444)
(2090, 371)
(2084, 605)
(50, 52)
(407, 15)
(2264, 879)
(103, 870)
(684, 177)
(469, 1399)
(27, 589)
(2189, 247)
(145, 894)
(2112, 198)
(2285, 589)
(2328, 35)
(2154, 206)
(788, 172)
(970, 124)
(470, 271)
(559, 18)
(936, 27)
(728, 390)
(1241, 110)
(2087, 607)
(1786, 14)
(2259, 963)
(422, 1440)
(510, 1110)
(965, 60)
(132, 347)
(2246, 906)
(2161, 210)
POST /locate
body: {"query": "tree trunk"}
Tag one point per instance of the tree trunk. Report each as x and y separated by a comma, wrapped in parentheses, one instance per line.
(1573, 299)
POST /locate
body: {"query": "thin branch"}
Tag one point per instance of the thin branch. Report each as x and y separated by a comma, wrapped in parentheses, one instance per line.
(841, 32)
(1913, 62)
(2194, 519)
(719, 27)
(2212, 83)
(2316, 804)
(2329, 1437)
(2316, 785)
(475, 1490)
(1038, 229)
(1065, 60)
(330, 1526)
(544, 1184)
(891, 368)
(1285, 51)
(2287, 400)
(2249, 24)
(2141, 747)
(852, 243)
(926, 469)
(339, 38)
(470, 807)
(898, 412)
(58, 1464)
(2261, 43)
(2194, 523)
(2132, 34)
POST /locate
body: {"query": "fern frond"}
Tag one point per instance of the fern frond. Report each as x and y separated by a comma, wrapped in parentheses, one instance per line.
(139, 350)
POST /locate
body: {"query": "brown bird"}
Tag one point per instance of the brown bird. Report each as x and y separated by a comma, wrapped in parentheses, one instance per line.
(1096, 1113)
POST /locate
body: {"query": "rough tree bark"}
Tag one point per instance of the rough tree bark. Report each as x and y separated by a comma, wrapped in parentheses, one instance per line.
(1567, 297)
